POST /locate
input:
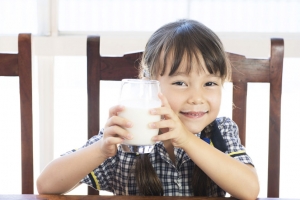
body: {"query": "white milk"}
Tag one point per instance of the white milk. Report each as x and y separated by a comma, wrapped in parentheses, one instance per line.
(140, 117)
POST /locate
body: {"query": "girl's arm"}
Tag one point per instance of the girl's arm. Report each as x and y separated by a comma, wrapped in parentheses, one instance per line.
(236, 178)
(64, 173)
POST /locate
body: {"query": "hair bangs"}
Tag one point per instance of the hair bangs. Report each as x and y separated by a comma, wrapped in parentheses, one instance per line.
(180, 54)
(188, 45)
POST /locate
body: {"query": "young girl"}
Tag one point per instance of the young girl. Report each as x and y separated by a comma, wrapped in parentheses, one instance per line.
(196, 153)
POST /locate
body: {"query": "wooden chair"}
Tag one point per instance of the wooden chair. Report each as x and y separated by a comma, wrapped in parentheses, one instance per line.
(247, 70)
(244, 70)
(19, 64)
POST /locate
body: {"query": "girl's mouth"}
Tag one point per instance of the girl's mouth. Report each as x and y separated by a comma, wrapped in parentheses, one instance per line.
(193, 114)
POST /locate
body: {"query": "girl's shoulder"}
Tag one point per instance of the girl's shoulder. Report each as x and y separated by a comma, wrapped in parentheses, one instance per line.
(226, 124)
(222, 120)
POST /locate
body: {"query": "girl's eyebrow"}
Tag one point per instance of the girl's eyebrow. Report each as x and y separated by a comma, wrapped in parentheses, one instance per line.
(186, 74)
(180, 74)
(214, 75)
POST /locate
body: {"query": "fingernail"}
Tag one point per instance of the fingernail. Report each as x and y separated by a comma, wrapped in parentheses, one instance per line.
(152, 125)
(129, 137)
(155, 139)
(129, 124)
(153, 111)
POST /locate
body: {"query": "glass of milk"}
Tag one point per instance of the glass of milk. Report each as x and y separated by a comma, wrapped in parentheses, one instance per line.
(139, 96)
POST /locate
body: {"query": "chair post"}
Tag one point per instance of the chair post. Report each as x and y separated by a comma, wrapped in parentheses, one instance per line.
(25, 81)
(240, 108)
(93, 61)
(276, 67)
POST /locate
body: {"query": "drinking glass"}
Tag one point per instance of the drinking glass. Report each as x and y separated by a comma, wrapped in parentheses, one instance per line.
(139, 96)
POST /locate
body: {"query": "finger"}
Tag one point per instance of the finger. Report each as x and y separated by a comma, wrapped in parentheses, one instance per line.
(162, 137)
(166, 112)
(113, 111)
(117, 132)
(163, 124)
(119, 121)
(113, 140)
(163, 99)
(165, 104)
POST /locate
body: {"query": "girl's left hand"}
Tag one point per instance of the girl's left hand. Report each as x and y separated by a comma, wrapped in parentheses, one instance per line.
(171, 127)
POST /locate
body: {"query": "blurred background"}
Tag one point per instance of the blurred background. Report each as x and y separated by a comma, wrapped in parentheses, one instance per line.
(59, 30)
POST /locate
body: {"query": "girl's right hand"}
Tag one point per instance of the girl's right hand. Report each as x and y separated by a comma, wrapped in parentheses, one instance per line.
(114, 132)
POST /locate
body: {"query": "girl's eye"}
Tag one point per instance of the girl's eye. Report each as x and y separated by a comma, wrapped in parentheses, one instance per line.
(180, 83)
(210, 84)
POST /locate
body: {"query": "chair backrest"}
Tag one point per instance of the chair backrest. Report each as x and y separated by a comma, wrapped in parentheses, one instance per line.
(244, 70)
(19, 64)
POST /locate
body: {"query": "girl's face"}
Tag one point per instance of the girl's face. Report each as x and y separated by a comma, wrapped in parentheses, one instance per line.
(194, 97)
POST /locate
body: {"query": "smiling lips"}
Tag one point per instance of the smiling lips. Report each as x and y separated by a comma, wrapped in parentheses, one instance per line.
(193, 114)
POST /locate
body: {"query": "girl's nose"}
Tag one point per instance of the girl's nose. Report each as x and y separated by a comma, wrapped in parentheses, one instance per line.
(195, 101)
(196, 97)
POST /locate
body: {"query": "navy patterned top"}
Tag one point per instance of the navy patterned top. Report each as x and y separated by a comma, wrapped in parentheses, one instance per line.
(115, 173)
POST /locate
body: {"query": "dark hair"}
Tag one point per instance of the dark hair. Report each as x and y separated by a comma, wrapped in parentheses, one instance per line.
(191, 40)
(184, 38)
(146, 178)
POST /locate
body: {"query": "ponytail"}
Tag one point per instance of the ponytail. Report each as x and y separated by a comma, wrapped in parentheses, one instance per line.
(149, 184)
(147, 180)
(200, 180)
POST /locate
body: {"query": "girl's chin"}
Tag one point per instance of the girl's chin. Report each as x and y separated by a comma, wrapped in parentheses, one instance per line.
(196, 128)
(196, 125)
